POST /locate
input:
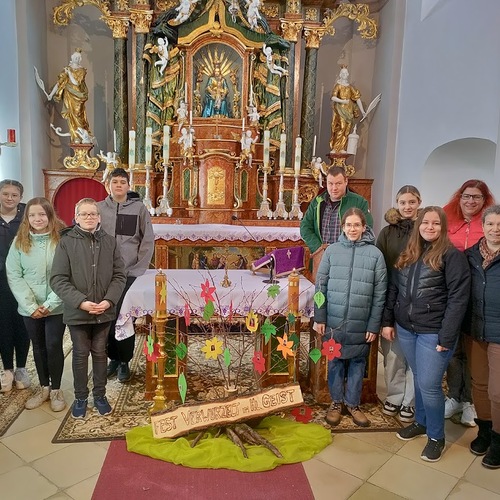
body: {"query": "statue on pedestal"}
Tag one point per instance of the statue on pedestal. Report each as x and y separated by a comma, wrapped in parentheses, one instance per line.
(346, 103)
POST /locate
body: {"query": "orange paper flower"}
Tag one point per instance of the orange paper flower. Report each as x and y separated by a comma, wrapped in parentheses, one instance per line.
(212, 348)
(285, 346)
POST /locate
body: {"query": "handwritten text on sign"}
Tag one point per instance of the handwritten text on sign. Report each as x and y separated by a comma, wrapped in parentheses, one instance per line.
(188, 418)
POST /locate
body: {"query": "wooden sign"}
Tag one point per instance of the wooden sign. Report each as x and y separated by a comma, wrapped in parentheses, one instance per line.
(187, 418)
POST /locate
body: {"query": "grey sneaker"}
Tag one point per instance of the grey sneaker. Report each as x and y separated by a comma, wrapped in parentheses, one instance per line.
(433, 450)
(102, 406)
(38, 399)
(6, 379)
(57, 402)
(411, 432)
(22, 379)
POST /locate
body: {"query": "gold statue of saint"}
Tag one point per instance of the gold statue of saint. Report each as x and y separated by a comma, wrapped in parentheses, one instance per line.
(346, 104)
(72, 90)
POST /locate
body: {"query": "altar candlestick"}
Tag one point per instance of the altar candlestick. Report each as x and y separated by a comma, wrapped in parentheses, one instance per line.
(267, 138)
(160, 295)
(298, 154)
(149, 144)
(11, 135)
(282, 151)
(352, 142)
(131, 149)
(314, 147)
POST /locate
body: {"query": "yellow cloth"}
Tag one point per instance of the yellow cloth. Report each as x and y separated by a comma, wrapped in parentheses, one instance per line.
(297, 442)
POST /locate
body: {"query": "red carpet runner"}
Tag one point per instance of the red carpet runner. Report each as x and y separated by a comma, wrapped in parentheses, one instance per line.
(129, 475)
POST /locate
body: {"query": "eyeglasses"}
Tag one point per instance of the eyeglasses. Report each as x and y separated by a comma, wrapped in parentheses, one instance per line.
(85, 215)
(475, 197)
(356, 225)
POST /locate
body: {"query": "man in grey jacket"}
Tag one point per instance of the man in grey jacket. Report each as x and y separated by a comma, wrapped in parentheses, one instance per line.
(128, 220)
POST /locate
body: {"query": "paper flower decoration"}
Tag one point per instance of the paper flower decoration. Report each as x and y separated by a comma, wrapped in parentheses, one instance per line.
(212, 348)
(259, 363)
(319, 298)
(152, 355)
(285, 346)
(207, 291)
(331, 349)
(302, 414)
(268, 329)
(252, 321)
(187, 314)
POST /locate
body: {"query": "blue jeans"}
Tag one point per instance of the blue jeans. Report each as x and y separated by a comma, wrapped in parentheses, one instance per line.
(348, 390)
(428, 366)
(89, 339)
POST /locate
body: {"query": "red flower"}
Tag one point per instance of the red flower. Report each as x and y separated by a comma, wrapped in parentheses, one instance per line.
(259, 363)
(331, 349)
(302, 414)
(154, 355)
(207, 291)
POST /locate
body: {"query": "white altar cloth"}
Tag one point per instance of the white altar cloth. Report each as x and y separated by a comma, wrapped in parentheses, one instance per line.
(225, 232)
(247, 292)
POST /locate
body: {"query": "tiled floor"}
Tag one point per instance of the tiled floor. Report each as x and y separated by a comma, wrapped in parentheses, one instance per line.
(359, 466)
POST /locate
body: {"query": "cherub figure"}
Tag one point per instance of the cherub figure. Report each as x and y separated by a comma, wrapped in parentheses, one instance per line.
(274, 68)
(253, 14)
(162, 54)
(253, 116)
(186, 141)
(318, 169)
(182, 114)
(184, 10)
(247, 142)
(111, 163)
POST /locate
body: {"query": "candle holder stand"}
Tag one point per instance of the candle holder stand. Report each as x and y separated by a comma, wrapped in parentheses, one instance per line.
(280, 206)
(147, 195)
(295, 212)
(164, 206)
(159, 397)
(265, 209)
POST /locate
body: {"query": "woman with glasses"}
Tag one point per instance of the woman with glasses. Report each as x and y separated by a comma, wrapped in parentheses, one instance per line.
(14, 339)
(464, 212)
(352, 277)
(426, 301)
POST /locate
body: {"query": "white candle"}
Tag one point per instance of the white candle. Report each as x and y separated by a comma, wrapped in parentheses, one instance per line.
(282, 151)
(243, 124)
(149, 144)
(298, 154)
(190, 117)
(114, 140)
(166, 144)
(131, 149)
(267, 137)
(186, 92)
(314, 146)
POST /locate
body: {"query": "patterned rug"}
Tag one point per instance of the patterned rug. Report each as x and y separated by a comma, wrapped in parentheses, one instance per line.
(204, 383)
(12, 403)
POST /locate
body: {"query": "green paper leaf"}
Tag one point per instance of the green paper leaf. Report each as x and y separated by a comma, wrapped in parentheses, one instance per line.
(268, 329)
(295, 339)
(273, 291)
(208, 310)
(150, 343)
(315, 354)
(291, 318)
(319, 298)
(227, 356)
(182, 385)
(181, 350)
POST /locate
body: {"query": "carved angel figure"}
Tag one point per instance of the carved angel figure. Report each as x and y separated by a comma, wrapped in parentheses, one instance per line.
(184, 10)
(253, 14)
(274, 68)
(162, 54)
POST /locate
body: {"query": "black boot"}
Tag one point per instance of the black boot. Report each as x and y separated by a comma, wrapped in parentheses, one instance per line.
(480, 445)
(492, 458)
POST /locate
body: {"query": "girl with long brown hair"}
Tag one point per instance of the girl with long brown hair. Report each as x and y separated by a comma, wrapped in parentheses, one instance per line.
(426, 301)
(29, 264)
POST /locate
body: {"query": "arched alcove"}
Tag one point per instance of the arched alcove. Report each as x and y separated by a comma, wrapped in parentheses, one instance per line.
(451, 164)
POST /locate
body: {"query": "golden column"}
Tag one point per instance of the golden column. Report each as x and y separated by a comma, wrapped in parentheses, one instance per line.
(293, 328)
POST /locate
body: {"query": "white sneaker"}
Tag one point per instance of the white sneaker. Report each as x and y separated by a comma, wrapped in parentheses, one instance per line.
(38, 399)
(6, 379)
(468, 415)
(57, 402)
(452, 407)
(22, 379)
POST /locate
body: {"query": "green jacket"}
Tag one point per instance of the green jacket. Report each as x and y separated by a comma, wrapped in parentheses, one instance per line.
(310, 227)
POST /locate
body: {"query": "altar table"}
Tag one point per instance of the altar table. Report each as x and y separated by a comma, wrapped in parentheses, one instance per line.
(247, 292)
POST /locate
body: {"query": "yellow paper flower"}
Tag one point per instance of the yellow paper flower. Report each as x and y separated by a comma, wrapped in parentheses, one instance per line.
(285, 346)
(252, 321)
(212, 348)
